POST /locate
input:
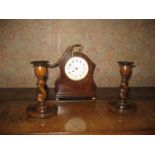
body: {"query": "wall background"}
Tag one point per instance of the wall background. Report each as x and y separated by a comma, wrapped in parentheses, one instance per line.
(104, 41)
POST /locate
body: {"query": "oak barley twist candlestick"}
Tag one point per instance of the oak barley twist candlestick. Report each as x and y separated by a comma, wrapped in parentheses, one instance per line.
(124, 106)
(42, 109)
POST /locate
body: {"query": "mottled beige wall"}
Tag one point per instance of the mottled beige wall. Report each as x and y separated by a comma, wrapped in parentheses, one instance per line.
(104, 41)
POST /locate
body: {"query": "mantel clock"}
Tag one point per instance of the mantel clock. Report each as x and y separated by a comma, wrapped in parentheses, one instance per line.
(76, 75)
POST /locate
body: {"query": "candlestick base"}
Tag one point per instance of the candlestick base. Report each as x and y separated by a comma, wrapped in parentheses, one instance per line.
(49, 110)
(126, 109)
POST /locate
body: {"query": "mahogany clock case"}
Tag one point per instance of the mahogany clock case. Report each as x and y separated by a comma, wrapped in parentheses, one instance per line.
(67, 88)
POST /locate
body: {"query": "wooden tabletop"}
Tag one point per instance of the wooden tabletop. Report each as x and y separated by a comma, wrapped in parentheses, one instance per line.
(78, 118)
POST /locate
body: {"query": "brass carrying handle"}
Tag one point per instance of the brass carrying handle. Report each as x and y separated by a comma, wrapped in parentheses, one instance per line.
(70, 49)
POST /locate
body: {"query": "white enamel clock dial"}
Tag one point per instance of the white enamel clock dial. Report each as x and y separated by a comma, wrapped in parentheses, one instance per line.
(76, 68)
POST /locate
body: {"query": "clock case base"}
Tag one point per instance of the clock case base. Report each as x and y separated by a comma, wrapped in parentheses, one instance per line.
(76, 96)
